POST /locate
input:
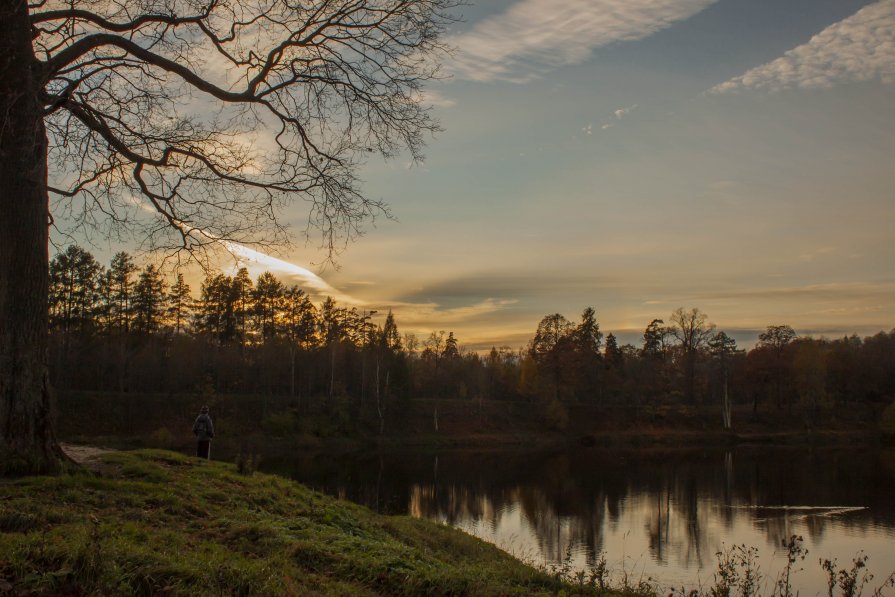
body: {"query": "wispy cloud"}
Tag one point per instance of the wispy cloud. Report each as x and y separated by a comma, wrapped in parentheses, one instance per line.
(257, 263)
(434, 316)
(858, 48)
(533, 36)
(622, 112)
(418, 316)
(810, 255)
(482, 286)
(436, 99)
(837, 292)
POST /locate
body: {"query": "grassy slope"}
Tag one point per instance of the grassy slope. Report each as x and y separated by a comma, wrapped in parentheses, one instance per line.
(160, 523)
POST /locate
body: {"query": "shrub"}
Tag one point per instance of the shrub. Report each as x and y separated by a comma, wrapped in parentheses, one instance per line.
(162, 438)
(247, 464)
(887, 420)
(280, 424)
(555, 415)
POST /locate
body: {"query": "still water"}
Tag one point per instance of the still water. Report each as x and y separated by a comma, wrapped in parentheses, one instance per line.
(655, 514)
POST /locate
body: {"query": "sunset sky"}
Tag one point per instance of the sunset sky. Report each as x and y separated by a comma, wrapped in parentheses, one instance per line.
(637, 156)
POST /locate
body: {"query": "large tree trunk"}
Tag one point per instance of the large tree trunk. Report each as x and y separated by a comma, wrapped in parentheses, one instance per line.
(27, 441)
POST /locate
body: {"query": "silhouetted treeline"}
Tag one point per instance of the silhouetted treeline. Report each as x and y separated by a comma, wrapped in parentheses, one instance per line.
(125, 328)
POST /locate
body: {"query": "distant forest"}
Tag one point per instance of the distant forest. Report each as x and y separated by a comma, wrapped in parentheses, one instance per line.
(124, 328)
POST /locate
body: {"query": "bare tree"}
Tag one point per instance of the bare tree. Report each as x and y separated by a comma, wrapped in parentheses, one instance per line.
(193, 123)
(777, 340)
(692, 329)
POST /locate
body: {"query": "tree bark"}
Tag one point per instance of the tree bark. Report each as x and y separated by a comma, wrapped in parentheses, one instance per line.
(27, 440)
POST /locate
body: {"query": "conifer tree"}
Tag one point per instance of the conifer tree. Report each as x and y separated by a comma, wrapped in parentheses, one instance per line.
(179, 304)
(150, 301)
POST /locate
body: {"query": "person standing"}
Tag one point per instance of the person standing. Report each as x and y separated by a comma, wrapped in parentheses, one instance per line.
(203, 429)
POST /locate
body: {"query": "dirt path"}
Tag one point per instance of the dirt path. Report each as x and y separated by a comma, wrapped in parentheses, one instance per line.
(86, 456)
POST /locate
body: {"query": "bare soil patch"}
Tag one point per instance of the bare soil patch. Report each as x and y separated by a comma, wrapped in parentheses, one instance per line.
(86, 456)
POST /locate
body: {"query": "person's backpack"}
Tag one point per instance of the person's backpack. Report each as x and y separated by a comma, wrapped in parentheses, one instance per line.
(202, 426)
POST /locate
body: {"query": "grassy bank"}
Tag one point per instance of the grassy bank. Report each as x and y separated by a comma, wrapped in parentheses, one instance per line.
(158, 523)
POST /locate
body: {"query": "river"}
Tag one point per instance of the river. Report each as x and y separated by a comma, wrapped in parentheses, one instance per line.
(657, 515)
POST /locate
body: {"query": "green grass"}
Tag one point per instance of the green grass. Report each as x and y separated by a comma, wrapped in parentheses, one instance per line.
(159, 523)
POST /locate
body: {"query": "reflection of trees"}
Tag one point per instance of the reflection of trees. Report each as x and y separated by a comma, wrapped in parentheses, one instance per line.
(541, 516)
(690, 509)
(815, 527)
(798, 477)
(556, 529)
(688, 501)
(569, 501)
(779, 525)
(677, 523)
(452, 503)
(658, 526)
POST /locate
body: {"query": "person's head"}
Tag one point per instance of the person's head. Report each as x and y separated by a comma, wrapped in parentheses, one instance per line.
(205, 410)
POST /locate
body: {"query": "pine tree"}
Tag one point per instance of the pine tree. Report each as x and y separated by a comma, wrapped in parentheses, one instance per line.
(391, 338)
(120, 280)
(149, 301)
(241, 287)
(300, 318)
(722, 348)
(74, 291)
(587, 334)
(267, 305)
(613, 355)
(654, 339)
(215, 313)
(180, 304)
(451, 349)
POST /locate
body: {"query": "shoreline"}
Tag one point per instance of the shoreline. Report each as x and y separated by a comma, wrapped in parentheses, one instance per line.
(228, 448)
(253, 423)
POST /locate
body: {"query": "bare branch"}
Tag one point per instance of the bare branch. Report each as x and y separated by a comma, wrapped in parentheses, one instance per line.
(199, 121)
(99, 21)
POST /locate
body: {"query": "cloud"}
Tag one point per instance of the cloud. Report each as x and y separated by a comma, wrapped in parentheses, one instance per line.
(476, 287)
(257, 263)
(436, 99)
(417, 316)
(533, 36)
(432, 316)
(813, 254)
(803, 295)
(858, 48)
(622, 112)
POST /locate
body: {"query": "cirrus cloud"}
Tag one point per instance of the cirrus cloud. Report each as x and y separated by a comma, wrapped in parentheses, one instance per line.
(534, 36)
(856, 49)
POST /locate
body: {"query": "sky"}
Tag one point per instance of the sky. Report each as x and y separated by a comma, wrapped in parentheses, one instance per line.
(638, 156)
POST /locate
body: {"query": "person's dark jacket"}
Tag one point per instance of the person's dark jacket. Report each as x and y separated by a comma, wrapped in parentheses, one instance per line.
(203, 428)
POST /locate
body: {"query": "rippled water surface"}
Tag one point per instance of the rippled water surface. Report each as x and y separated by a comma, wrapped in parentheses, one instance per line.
(655, 514)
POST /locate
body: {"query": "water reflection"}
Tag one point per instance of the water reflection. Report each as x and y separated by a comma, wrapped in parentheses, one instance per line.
(657, 513)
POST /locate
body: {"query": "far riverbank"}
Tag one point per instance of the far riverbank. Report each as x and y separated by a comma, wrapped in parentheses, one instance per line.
(268, 424)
